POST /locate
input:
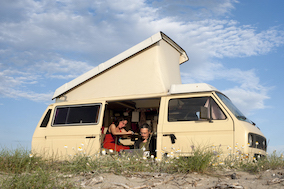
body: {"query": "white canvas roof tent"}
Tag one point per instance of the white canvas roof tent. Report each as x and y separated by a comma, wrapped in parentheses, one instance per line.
(150, 67)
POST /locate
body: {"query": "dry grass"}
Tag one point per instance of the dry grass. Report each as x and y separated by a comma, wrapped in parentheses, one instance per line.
(20, 169)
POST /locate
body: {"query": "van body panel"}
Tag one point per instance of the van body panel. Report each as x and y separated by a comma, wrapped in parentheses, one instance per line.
(243, 129)
(193, 134)
(64, 141)
(39, 144)
(241, 132)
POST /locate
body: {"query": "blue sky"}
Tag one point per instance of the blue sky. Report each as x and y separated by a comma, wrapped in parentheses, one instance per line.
(236, 46)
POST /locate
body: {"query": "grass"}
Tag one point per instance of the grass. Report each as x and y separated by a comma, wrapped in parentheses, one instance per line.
(20, 169)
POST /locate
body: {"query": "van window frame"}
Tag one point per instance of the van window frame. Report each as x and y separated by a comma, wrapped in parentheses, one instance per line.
(210, 98)
(77, 124)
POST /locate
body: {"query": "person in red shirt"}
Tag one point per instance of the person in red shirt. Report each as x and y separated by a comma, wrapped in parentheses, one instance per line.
(112, 135)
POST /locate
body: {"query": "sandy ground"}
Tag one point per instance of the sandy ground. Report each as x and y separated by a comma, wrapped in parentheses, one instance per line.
(273, 179)
(220, 179)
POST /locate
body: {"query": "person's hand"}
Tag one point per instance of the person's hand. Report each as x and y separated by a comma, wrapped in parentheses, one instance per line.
(130, 132)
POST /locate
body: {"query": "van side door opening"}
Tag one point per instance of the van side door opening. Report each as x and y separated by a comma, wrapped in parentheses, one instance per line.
(136, 112)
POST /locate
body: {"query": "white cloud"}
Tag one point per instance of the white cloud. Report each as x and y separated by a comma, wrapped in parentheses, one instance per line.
(63, 39)
(15, 84)
(222, 38)
(12, 81)
(62, 68)
(245, 89)
(40, 97)
(12, 78)
(195, 10)
(247, 100)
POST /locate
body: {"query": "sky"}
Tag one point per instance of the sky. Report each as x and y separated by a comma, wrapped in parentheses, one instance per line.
(235, 46)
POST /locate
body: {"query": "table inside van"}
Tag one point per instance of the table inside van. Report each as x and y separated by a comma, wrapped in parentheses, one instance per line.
(127, 140)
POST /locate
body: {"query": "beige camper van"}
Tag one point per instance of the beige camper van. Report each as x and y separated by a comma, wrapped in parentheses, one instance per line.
(143, 84)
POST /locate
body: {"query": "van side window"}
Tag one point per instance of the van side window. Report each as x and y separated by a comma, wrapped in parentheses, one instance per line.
(188, 109)
(46, 119)
(77, 115)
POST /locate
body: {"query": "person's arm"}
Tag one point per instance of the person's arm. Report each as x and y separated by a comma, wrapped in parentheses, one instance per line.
(128, 132)
(114, 132)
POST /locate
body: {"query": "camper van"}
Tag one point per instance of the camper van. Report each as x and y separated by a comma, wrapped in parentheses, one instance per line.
(143, 84)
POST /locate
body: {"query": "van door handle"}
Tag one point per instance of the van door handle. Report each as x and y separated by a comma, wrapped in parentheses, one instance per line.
(90, 136)
(172, 136)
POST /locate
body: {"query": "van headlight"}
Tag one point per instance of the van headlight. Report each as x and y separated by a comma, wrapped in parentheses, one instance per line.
(250, 140)
(257, 141)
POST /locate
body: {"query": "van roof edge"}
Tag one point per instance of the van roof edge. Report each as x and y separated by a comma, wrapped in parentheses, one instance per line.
(191, 88)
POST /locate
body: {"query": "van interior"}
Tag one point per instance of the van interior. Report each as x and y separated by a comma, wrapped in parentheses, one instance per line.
(136, 112)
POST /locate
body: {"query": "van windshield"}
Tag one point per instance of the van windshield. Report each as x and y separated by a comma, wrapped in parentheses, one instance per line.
(239, 115)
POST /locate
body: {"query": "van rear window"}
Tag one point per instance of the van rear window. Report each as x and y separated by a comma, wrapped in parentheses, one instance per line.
(77, 115)
(46, 119)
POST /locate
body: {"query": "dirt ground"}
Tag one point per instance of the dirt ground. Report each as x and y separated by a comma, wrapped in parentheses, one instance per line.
(219, 179)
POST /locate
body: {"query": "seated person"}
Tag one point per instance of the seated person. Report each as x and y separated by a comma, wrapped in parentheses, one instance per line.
(147, 142)
(112, 135)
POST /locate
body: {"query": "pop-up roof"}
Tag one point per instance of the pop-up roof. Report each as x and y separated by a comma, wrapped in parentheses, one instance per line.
(149, 67)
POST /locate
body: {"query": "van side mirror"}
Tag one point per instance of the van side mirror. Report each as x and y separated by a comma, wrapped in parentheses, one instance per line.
(204, 113)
